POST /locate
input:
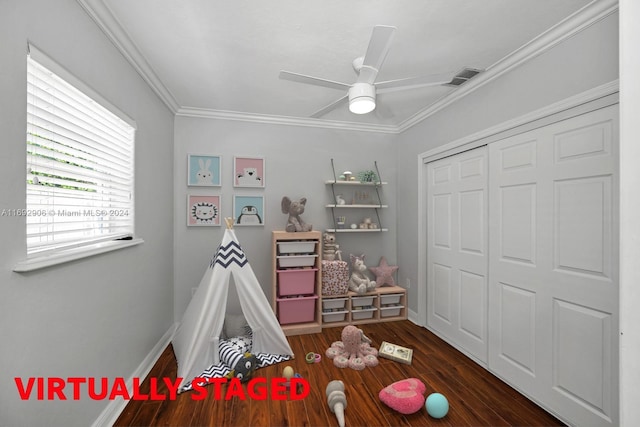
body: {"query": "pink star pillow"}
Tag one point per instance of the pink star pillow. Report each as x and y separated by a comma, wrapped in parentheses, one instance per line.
(384, 273)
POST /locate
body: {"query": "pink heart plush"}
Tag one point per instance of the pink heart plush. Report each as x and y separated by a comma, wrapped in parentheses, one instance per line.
(405, 396)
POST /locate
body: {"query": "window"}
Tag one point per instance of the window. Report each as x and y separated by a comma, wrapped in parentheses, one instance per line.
(79, 162)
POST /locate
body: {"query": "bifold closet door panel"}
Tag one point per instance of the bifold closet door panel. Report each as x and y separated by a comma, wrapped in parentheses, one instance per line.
(457, 250)
(553, 292)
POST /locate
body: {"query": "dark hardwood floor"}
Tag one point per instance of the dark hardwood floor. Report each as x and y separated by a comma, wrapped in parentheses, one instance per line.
(476, 397)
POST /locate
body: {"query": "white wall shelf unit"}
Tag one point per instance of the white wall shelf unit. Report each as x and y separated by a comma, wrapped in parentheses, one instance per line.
(362, 200)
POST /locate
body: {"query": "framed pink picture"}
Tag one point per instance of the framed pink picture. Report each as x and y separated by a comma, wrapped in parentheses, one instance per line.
(203, 211)
(248, 172)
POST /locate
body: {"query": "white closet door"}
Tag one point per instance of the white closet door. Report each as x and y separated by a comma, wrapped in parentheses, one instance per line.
(553, 293)
(457, 250)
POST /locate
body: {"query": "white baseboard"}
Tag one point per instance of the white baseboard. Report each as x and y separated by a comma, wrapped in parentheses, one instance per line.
(115, 407)
(413, 316)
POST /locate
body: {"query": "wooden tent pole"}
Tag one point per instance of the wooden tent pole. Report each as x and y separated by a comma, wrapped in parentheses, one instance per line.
(229, 222)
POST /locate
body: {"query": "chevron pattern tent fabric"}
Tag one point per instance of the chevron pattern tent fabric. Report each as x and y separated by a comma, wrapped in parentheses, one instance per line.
(227, 254)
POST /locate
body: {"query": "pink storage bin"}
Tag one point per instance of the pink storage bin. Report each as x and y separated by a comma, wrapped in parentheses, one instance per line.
(296, 310)
(296, 281)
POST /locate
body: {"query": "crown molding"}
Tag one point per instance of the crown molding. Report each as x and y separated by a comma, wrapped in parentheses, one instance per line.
(583, 18)
(107, 22)
(283, 120)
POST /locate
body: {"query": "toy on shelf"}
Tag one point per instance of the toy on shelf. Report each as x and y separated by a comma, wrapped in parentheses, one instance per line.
(367, 224)
(294, 209)
(329, 246)
(384, 273)
(337, 400)
(359, 282)
(353, 351)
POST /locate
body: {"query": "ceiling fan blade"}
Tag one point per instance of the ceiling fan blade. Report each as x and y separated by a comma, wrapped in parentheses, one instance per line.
(316, 81)
(413, 83)
(376, 53)
(330, 107)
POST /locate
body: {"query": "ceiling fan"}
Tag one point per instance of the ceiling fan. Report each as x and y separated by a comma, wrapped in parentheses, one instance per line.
(361, 95)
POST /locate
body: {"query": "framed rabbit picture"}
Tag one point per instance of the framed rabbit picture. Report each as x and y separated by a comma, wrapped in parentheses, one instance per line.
(203, 170)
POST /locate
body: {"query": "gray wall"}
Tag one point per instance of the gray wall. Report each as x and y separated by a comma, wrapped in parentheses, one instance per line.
(584, 61)
(298, 161)
(101, 316)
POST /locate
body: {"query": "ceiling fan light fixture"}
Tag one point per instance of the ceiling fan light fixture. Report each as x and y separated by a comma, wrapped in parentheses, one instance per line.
(362, 98)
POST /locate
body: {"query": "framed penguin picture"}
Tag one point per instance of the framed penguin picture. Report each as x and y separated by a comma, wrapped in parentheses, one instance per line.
(248, 210)
(203, 170)
(203, 210)
(248, 172)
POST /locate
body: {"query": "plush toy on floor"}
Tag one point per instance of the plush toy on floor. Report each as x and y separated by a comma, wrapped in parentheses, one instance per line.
(359, 282)
(353, 351)
(405, 396)
(337, 400)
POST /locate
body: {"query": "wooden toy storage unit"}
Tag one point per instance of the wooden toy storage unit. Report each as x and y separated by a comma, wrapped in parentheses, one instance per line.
(297, 296)
(296, 292)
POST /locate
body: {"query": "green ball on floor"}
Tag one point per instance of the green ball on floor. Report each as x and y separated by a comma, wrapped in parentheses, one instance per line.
(437, 405)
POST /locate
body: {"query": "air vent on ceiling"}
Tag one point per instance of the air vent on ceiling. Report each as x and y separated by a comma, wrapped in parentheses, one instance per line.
(463, 76)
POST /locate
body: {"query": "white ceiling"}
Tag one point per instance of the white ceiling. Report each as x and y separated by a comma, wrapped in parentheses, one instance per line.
(222, 58)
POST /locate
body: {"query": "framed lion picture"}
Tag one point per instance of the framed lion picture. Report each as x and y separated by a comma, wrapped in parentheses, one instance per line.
(203, 210)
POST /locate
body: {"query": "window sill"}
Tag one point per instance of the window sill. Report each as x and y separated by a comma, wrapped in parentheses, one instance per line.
(68, 255)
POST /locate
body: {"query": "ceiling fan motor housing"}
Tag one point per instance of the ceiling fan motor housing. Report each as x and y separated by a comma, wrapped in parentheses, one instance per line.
(362, 98)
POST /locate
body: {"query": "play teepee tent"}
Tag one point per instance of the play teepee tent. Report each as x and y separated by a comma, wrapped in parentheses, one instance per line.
(195, 342)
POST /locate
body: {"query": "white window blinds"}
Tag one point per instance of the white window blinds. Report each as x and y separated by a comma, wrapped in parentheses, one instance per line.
(79, 166)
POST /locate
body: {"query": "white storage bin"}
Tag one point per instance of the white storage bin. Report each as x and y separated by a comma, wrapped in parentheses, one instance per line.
(330, 304)
(297, 247)
(362, 301)
(365, 313)
(335, 316)
(296, 260)
(390, 311)
(390, 299)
